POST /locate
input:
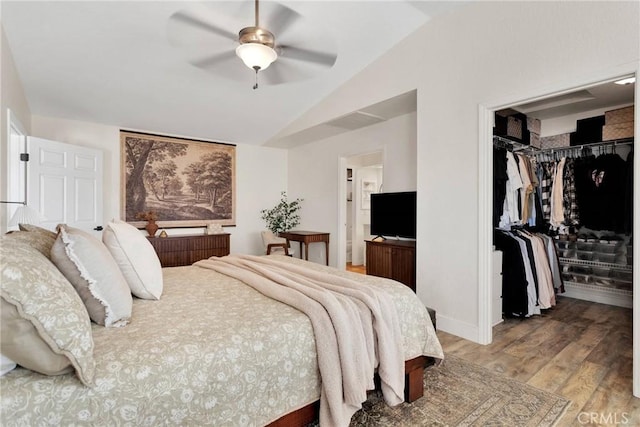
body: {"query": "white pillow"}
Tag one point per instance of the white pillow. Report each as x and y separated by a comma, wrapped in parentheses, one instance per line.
(136, 258)
(90, 268)
(6, 365)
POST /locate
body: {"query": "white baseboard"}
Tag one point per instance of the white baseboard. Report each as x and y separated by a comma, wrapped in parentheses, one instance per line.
(458, 328)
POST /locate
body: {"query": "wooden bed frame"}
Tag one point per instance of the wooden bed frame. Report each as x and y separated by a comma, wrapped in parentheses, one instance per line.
(413, 390)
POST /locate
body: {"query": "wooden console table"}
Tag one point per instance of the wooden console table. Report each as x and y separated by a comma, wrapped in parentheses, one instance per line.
(175, 251)
(307, 237)
(393, 259)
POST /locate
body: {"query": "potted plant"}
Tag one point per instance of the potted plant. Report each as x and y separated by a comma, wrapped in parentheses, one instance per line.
(283, 216)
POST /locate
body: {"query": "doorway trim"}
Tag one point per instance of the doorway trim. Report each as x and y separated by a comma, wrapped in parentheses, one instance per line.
(341, 234)
(485, 194)
(342, 214)
(15, 187)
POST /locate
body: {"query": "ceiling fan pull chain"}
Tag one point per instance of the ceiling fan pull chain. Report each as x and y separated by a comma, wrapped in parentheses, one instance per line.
(255, 86)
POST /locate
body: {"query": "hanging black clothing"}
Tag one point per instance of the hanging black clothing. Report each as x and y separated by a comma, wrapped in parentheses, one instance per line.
(540, 223)
(584, 188)
(500, 179)
(628, 195)
(600, 190)
(514, 281)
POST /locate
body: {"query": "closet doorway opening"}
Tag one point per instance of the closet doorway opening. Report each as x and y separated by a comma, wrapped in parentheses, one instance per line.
(594, 250)
(364, 176)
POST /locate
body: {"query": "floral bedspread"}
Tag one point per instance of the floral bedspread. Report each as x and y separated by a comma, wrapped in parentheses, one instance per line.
(211, 351)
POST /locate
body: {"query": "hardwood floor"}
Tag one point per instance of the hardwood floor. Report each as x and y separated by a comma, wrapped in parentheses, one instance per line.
(579, 349)
(362, 269)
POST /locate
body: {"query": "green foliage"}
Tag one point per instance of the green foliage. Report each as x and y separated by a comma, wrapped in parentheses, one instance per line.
(284, 216)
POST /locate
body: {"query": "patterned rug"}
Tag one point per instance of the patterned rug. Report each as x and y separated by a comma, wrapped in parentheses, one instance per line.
(459, 393)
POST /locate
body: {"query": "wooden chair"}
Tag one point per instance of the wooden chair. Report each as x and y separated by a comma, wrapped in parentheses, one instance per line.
(274, 244)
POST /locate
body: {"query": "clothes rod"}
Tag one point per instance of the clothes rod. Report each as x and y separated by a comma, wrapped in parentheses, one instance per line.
(517, 146)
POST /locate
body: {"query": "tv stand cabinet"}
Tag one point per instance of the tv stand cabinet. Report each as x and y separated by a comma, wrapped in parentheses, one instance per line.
(393, 259)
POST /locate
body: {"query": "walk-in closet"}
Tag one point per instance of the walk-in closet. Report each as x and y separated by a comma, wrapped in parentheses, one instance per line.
(563, 201)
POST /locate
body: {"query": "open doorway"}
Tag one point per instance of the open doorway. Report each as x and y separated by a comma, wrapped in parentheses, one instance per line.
(364, 174)
(594, 270)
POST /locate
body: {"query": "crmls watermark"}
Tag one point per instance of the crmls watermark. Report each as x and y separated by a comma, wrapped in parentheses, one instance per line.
(609, 418)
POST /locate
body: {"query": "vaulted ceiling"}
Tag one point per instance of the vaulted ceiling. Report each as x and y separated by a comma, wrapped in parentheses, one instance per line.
(133, 65)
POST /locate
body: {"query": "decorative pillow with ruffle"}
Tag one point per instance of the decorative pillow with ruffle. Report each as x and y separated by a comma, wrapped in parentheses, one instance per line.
(91, 269)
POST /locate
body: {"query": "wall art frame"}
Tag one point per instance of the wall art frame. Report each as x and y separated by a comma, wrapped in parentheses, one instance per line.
(185, 182)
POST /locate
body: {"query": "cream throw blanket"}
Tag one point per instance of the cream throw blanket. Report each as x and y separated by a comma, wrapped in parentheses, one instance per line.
(356, 329)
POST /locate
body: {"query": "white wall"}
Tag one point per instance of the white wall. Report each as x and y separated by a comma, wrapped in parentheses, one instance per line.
(261, 175)
(12, 97)
(313, 172)
(479, 54)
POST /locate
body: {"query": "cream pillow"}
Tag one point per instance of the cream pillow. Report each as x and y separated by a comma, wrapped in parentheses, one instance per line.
(88, 265)
(44, 325)
(41, 231)
(20, 339)
(36, 237)
(136, 258)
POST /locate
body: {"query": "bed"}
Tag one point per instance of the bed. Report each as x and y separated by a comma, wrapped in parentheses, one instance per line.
(210, 351)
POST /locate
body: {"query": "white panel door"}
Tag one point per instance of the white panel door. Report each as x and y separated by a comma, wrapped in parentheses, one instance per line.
(65, 184)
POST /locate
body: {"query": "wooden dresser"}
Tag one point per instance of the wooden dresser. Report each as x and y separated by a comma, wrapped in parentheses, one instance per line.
(185, 250)
(393, 259)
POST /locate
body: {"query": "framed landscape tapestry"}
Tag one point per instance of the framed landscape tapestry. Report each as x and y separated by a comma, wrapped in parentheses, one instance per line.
(186, 183)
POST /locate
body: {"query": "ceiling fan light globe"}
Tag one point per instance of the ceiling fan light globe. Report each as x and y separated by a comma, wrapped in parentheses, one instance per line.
(256, 55)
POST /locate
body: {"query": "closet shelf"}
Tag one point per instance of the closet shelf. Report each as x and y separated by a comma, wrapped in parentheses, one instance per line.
(601, 294)
(599, 288)
(597, 264)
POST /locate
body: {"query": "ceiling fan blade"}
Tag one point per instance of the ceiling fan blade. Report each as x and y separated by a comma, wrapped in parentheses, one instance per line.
(273, 75)
(281, 19)
(284, 72)
(213, 60)
(307, 55)
(207, 26)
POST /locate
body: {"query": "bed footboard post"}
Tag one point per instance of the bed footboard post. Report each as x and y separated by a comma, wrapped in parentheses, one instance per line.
(413, 378)
(413, 388)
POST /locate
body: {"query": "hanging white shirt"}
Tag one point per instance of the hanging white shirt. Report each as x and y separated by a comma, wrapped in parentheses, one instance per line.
(510, 211)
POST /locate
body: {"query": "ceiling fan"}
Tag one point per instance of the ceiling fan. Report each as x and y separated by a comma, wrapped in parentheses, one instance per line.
(256, 45)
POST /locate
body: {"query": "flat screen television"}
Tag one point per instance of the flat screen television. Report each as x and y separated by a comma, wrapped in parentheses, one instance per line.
(394, 214)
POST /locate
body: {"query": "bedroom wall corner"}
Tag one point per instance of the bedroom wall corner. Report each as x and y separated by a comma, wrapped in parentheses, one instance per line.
(12, 97)
(262, 176)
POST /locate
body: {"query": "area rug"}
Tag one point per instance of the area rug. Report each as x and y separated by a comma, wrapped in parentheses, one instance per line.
(460, 393)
